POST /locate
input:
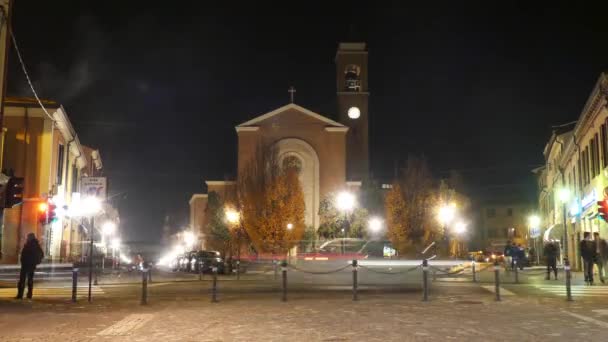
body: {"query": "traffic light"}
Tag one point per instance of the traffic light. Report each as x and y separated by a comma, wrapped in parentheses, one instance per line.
(46, 212)
(14, 192)
(602, 209)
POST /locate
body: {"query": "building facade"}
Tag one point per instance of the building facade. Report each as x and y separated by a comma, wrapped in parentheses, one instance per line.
(576, 164)
(46, 151)
(331, 155)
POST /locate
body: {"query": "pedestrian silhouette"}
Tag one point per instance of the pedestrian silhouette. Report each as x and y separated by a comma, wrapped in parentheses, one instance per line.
(31, 256)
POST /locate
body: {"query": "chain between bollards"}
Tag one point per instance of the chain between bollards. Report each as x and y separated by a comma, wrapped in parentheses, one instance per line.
(425, 280)
(284, 271)
(144, 286)
(355, 280)
(474, 270)
(74, 283)
(214, 285)
(497, 280)
(568, 280)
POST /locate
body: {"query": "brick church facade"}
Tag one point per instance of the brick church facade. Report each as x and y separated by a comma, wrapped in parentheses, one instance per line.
(332, 155)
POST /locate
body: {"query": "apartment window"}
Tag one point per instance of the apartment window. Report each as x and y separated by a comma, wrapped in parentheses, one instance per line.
(60, 155)
(491, 212)
(74, 178)
(596, 155)
(604, 145)
(509, 211)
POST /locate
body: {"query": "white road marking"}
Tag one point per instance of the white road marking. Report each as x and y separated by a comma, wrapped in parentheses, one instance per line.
(588, 319)
(578, 290)
(503, 291)
(127, 325)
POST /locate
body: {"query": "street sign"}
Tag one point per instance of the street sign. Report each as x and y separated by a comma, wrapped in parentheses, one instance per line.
(94, 187)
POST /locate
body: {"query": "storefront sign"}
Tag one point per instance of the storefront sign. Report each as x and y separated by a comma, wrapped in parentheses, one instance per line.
(534, 232)
(589, 199)
(94, 187)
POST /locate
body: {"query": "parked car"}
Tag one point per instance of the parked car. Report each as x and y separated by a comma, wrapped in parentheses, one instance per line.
(208, 260)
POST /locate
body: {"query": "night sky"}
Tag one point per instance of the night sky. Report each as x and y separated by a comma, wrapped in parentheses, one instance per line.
(158, 88)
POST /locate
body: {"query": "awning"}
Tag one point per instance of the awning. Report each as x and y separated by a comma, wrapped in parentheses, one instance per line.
(555, 232)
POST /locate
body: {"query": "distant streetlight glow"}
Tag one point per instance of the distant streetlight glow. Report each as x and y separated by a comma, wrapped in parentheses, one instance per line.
(345, 201)
(90, 206)
(375, 224)
(115, 243)
(564, 195)
(233, 216)
(534, 221)
(289, 226)
(447, 213)
(189, 239)
(460, 228)
(108, 228)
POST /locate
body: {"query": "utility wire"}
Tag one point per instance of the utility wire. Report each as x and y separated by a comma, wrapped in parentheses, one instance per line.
(27, 76)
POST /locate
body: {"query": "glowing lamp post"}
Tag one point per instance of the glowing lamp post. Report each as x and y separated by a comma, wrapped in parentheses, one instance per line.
(375, 225)
(234, 218)
(564, 196)
(446, 215)
(115, 244)
(345, 202)
(189, 239)
(90, 207)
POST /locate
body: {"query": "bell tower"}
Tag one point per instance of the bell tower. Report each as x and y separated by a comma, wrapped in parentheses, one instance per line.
(353, 97)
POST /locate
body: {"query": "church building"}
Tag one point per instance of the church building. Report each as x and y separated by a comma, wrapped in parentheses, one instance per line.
(331, 155)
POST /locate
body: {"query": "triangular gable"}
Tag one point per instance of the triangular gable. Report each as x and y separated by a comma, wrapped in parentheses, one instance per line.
(280, 110)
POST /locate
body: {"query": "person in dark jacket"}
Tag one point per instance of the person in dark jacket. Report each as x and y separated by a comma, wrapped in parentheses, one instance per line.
(31, 256)
(601, 254)
(587, 250)
(551, 251)
(521, 256)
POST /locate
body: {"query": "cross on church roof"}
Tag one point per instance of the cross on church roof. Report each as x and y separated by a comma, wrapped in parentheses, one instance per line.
(291, 92)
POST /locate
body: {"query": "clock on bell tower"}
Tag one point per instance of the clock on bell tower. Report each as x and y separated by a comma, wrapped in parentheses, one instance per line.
(353, 97)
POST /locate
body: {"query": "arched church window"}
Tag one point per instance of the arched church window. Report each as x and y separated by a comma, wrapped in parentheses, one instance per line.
(352, 78)
(292, 163)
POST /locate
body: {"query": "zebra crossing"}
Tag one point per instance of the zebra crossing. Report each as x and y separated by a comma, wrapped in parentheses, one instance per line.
(54, 292)
(577, 290)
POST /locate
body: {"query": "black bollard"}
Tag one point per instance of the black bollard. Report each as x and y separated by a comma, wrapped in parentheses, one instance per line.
(497, 280)
(144, 286)
(150, 274)
(238, 269)
(425, 280)
(74, 283)
(284, 271)
(474, 270)
(275, 264)
(355, 280)
(214, 286)
(200, 270)
(568, 279)
(516, 273)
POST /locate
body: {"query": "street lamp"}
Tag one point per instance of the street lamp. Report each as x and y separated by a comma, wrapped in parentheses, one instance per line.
(108, 228)
(375, 224)
(564, 196)
(460, 228)
(446, 215)
(289, 226)
(90, 207)
(115, 244)
(234, 218)
(345, 202)
(189, 239)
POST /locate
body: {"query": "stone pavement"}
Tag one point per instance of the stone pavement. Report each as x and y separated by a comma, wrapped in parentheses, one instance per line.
(458, 312)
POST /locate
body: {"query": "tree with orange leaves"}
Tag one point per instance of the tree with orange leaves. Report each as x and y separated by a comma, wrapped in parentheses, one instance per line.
(272, 202)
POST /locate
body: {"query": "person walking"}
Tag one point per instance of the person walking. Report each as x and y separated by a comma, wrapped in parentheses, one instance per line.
(587, 250)
(551, 252)
(601, 252)
(31, 256)
(507, 254)
(521, 256)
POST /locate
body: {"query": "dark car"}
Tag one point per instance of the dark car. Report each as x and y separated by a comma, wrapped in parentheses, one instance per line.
(206, 260)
